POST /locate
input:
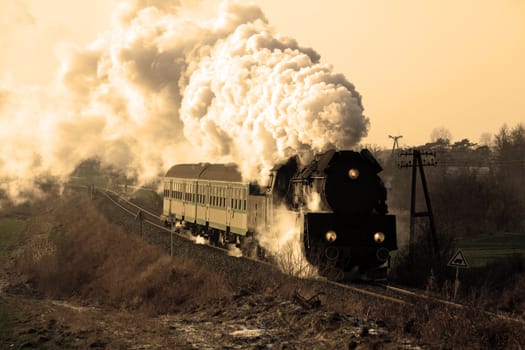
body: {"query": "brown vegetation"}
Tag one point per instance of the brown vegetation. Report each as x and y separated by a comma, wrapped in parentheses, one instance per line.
(96, 260)
(497, 287)
(452, 328)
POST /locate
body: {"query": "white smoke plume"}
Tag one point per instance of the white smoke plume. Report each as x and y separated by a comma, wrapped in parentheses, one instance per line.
(161, 87)
(283, 242)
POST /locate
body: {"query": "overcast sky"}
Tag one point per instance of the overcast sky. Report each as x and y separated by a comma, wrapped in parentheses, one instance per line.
(418, 64)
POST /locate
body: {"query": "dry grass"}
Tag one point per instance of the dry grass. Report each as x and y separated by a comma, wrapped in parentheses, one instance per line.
(495, 287)
(451, 328)
(96, 260)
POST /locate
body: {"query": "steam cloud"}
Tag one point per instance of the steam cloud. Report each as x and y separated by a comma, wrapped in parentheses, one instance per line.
(162, 87)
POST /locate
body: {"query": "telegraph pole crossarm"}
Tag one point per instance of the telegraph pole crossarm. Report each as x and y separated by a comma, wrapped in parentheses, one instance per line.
(396, 143)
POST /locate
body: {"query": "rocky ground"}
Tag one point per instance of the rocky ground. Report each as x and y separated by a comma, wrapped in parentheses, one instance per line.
(249, 318)
(251, 324)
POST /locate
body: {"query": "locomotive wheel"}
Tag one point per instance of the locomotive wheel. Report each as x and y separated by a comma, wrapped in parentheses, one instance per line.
(192, 228)
(326, 268)
(332, 273)
(214, 237)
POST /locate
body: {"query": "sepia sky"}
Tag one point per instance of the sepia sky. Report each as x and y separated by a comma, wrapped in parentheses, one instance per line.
(418, 64)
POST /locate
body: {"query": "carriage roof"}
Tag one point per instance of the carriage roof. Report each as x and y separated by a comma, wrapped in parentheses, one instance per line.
(206, 171)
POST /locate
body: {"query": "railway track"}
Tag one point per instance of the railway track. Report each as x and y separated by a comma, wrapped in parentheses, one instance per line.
(152, 219)
(379, 291)
(421, 296)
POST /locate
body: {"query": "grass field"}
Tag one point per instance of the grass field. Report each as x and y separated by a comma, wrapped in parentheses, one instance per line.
(10, 229)
(97, 180)
(480, 250)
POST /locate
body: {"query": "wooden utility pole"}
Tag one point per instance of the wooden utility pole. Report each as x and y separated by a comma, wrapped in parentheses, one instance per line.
(172, 228)
(140, 218)
(417, 163)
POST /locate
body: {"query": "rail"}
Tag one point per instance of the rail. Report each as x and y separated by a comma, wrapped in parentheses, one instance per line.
(408, 297)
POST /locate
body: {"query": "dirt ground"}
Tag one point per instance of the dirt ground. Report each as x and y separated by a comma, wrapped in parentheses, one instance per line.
(51, 324)
(247, 320)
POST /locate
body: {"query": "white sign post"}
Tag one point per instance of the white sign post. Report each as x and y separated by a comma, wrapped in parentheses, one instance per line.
(459, 262)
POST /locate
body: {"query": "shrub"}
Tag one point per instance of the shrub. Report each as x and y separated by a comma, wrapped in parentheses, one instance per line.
(92, 258)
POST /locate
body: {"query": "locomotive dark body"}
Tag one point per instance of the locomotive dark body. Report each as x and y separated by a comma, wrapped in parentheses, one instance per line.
(349, 231)
(339, 198)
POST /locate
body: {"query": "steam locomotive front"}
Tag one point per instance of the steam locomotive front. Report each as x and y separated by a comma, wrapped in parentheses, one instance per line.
(350, 230)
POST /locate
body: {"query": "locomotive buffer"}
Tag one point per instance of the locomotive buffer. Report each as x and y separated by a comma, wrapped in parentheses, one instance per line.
(419, 160)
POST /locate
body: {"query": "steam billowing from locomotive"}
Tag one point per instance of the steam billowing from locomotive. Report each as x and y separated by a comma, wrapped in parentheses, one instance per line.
(162, 86)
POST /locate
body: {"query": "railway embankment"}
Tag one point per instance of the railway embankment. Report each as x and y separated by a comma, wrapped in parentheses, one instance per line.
(83, 276)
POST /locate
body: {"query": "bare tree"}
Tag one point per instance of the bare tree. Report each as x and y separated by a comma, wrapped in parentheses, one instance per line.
(509, 146)
(485, 139)
(441, 134)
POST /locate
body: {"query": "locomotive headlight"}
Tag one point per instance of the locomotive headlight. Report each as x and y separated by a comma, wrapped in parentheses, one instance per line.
(353, 173)
(379, 237)
(330, 236)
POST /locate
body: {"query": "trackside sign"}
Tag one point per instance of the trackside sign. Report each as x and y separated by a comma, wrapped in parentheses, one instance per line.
(458, 260)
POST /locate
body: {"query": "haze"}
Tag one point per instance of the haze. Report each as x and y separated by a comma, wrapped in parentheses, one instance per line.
(418, 64)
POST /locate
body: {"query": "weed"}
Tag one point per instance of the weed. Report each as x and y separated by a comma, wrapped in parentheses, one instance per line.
(92, 258)
(10, 229)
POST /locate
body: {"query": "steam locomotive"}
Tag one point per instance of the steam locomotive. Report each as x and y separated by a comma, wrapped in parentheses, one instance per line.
(338, 196)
